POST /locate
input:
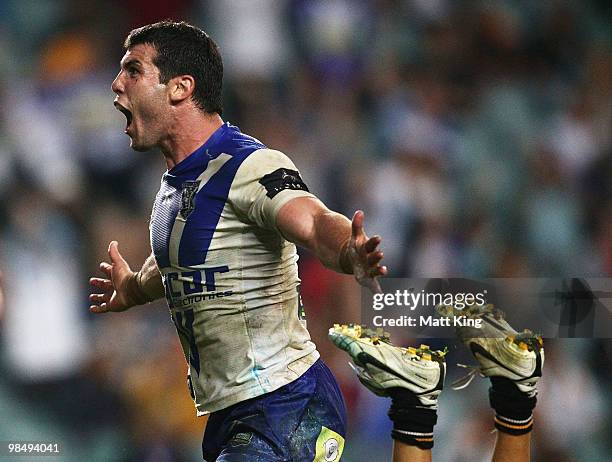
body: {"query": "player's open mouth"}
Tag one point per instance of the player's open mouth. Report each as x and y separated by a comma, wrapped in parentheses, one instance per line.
(127, 113)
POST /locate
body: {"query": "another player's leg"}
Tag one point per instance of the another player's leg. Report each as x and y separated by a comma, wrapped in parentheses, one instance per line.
(511, 448)
(412, 377)
(403, 452)
(513, 362)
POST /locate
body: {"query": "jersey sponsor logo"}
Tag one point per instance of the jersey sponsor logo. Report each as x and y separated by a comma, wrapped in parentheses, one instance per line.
(187, 287)
(197, 298)
(281, 179)
(188, 192)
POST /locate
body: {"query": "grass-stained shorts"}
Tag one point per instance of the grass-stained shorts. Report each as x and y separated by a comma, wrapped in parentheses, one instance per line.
(302, 421)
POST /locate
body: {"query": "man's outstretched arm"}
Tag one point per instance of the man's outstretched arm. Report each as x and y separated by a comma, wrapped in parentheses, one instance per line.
(338, 243)
(123, 288)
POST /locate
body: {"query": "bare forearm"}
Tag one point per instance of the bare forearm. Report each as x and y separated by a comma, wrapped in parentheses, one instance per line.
(308, 223)
(333, 232)
(338, 243)
(146, 285)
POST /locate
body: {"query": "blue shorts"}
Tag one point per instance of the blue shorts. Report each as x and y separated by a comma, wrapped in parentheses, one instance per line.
(304, 420)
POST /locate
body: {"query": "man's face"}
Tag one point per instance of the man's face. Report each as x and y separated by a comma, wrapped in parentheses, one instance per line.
(142, 98)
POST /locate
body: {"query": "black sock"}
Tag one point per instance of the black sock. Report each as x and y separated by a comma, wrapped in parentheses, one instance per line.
(513, 408)
(412, 422)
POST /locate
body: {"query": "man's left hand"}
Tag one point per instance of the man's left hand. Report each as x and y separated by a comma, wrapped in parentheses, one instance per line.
(364, 256)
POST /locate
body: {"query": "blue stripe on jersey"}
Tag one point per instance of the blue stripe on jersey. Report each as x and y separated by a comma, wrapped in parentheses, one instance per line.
(184, 325)
(168, 202)
(209, 201)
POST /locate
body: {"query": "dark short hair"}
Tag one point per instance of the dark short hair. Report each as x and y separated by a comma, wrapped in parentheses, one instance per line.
(185, 49)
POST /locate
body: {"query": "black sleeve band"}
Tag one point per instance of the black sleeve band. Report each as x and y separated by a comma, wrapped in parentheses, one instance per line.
(281, 179)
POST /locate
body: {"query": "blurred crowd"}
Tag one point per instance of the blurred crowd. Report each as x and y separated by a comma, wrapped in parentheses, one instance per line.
(476, 135)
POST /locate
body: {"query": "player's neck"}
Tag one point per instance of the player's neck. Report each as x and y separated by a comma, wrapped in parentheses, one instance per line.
(187, 134)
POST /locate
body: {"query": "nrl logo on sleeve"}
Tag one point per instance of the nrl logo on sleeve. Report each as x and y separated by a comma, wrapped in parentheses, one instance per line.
(189, 190)
(281, 179)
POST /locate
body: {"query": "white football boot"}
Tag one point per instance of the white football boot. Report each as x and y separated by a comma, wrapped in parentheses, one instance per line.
(499, 349)
(381, 366)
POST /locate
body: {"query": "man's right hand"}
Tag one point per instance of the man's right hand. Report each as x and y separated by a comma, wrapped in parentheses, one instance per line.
(116, 287)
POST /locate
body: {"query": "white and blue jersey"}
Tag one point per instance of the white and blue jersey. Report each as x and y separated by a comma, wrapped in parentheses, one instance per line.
(231, 279)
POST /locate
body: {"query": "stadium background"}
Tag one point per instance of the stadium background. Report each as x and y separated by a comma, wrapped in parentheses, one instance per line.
(476, 135)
